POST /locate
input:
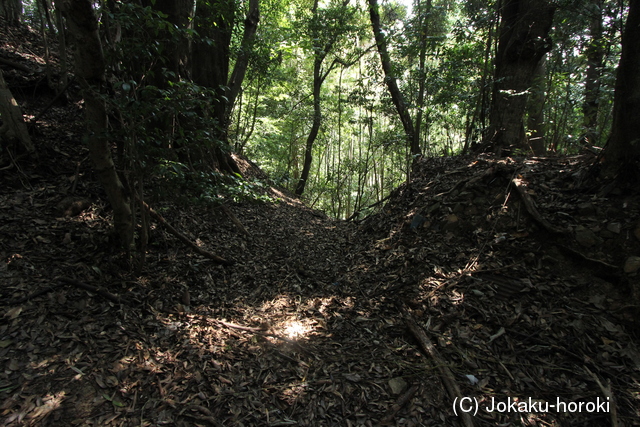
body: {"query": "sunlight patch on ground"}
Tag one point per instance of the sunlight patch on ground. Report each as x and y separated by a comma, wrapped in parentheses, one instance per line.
(295, 329)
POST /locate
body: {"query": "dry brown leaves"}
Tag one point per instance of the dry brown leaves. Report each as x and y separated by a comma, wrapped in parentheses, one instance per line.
(304, 330)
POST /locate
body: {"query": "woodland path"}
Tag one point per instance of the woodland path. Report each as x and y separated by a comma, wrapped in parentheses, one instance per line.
(307, 327)
(455, 287)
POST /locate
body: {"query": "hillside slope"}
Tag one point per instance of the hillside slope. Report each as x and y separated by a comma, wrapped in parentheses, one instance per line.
(456, 287)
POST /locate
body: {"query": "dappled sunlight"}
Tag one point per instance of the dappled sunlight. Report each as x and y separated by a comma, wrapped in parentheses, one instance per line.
(295, 329)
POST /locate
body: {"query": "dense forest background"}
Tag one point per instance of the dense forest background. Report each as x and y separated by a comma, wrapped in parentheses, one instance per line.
(450, 209)
(334, 100)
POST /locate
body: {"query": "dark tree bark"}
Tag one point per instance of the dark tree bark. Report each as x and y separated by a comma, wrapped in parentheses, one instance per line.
(623, 148)
(90, 72)
(315, 126)
(11, 10)
(390, 79)
(13, 125)
(595, 60)
(535, 109)
(242, 62)
(524, 39)
(179, 13)
(211, 57)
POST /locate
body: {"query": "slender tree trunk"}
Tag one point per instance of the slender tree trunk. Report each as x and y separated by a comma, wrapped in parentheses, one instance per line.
(240, 68)
(315, 127)
(524, 39)
(624, 143)
(90, 69)
(62, 49)
(392, 84)
(424, 32)
(595, 62)
(478, 119)
(321, 50)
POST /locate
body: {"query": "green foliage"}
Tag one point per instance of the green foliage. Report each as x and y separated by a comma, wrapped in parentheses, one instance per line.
(165, 127)
(442, 56)
(176, 181)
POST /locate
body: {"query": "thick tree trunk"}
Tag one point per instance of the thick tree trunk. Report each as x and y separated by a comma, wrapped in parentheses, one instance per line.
(90, 67)
(624, 143)
(211, 54)
(13, 126)
(524, 39)
(392, 84)
(11, 10)
(210, 57)
(179, 13)
(535, 119)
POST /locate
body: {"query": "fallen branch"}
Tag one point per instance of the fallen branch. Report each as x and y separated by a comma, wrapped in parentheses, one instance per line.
(104, 294)
(33, 295)
(356, 213)
(400, 403)
(235, 220)
(531, 208)
(606, 390)
(445, 374)
(184, 239)
(16, 66)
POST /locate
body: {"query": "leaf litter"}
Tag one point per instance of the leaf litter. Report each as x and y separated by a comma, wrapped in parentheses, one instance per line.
(495, 279)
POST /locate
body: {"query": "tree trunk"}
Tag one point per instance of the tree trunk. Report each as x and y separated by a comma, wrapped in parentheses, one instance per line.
(62, 50)
(180, 14)
(392, 85)
(535, 119)
(624, 143)
(321, 48)
(12, 11)
(315, 127)
(210, 58)
(595, 60)
(524, 39)
(13, 126)
(90, 67)
(240, 68)
(211, 53)
(424, 32)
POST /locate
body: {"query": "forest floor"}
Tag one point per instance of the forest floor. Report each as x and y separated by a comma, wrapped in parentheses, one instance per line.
(503, 280)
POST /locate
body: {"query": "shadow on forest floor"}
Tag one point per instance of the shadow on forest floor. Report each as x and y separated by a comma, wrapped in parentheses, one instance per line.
(482, 278)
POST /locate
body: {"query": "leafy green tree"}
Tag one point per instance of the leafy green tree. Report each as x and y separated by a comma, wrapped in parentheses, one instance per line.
(327, 27)
(391, 80)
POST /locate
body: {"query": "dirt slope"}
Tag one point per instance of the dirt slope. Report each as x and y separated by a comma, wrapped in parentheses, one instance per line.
(318, 322)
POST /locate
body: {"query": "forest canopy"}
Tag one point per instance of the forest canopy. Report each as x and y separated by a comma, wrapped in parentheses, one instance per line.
(334, 99)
